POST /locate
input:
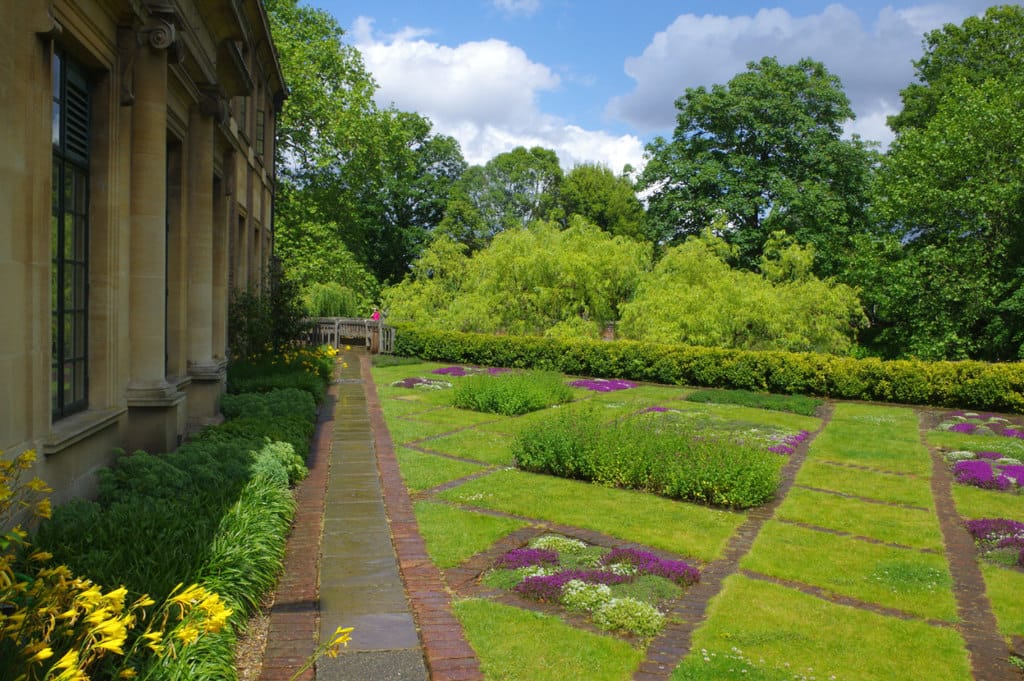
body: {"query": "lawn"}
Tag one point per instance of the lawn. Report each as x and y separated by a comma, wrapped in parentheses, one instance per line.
(848, 565)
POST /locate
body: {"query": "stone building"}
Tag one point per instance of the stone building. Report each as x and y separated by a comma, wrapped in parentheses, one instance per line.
(136, 190)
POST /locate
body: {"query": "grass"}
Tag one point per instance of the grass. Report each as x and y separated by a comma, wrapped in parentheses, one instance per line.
(424, 471)
(466, 444)
(453, 535)
(798, 404)
(780, 633)
(520, 645)
(1004, 588)
(687, 529)
(771, 629)
(893, 489)
(891, 524)
(882, 438)
(910, 581)
(973, 503)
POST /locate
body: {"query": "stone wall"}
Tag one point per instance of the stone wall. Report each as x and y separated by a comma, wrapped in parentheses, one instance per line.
(177, 194)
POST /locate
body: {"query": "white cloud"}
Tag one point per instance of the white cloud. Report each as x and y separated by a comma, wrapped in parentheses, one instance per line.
(873, 63)
(523, 7)
(484, 94)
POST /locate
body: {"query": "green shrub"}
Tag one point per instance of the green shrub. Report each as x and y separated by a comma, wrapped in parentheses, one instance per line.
(965, 384)
(797, 404)
(511, 394)
(654, 452)
(281, 402)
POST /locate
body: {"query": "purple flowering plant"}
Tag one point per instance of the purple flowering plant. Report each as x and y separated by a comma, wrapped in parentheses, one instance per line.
(646, 563)
(789, 443)
(574, 561)
(548, 588)
(525, 557)
(421, 382)
(979, 473)
(999, 538)
(603, 385)
(972, 423)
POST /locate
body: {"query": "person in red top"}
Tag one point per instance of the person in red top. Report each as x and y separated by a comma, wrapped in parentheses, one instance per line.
(376, 315)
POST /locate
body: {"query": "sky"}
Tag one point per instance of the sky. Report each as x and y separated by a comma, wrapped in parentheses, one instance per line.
(596, 80)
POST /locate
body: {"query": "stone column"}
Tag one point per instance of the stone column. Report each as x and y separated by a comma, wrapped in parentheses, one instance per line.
(148, 293)
(152, 401)
(207, 373)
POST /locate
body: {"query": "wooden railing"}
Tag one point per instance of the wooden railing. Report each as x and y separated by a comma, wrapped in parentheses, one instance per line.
(338, 331)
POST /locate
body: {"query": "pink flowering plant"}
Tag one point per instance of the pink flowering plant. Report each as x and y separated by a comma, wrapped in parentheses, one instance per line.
(1000, 540)
(618, 589)
(975, 423)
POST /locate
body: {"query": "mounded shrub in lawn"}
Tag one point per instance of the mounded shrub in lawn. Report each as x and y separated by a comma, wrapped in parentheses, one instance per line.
(654, 451)
(511, 394)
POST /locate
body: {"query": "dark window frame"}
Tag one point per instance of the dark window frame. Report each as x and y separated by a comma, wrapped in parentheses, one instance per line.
(69, 238)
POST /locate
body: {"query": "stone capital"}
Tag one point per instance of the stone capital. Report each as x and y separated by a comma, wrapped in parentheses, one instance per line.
(158, 31)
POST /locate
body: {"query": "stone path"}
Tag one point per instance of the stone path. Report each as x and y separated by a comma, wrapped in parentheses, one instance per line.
(356, 558)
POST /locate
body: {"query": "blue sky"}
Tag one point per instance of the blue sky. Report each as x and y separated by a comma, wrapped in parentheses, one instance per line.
(595, 80)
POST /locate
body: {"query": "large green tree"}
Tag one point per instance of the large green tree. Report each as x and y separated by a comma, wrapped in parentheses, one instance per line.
(762, 153)
(947, 281)
(990, 47)
(513, 189)
(608, 200)
(695, 297)
(366, 180)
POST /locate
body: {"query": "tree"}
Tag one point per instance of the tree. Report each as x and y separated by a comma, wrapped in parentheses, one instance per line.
(511, 190)
(982, 48)
(946, 281)
(761, 154)
(535, 280)
(952, 191)
(373, 182)
(694, 297)
(595, 193)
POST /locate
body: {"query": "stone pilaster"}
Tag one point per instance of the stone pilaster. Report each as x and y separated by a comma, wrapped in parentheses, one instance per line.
(152, 401)
(208, 374)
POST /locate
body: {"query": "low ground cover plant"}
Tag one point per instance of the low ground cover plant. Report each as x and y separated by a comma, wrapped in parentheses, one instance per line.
(618, 589)
(653, 451)
(421, 383)
(797, 404)
(511, 394)
(603, 385)
(974, 423)
(1000, 540)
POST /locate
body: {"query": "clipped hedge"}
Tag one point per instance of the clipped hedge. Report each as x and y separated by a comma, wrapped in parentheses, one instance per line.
(964, 384)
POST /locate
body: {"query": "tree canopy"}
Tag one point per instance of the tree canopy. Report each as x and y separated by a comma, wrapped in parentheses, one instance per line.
(367, 180)
(695, 297)
(529, 280)
(761, 154)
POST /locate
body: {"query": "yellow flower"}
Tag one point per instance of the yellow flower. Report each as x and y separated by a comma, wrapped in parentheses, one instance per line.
(38, 652)
(127, 673)
(342, 635)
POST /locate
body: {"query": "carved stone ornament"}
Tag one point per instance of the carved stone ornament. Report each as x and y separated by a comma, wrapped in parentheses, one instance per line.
(159, 31)
(52, 29)
(213, 103)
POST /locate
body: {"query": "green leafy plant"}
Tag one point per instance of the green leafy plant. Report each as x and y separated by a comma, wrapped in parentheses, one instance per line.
(512, 393)
(657, 452)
